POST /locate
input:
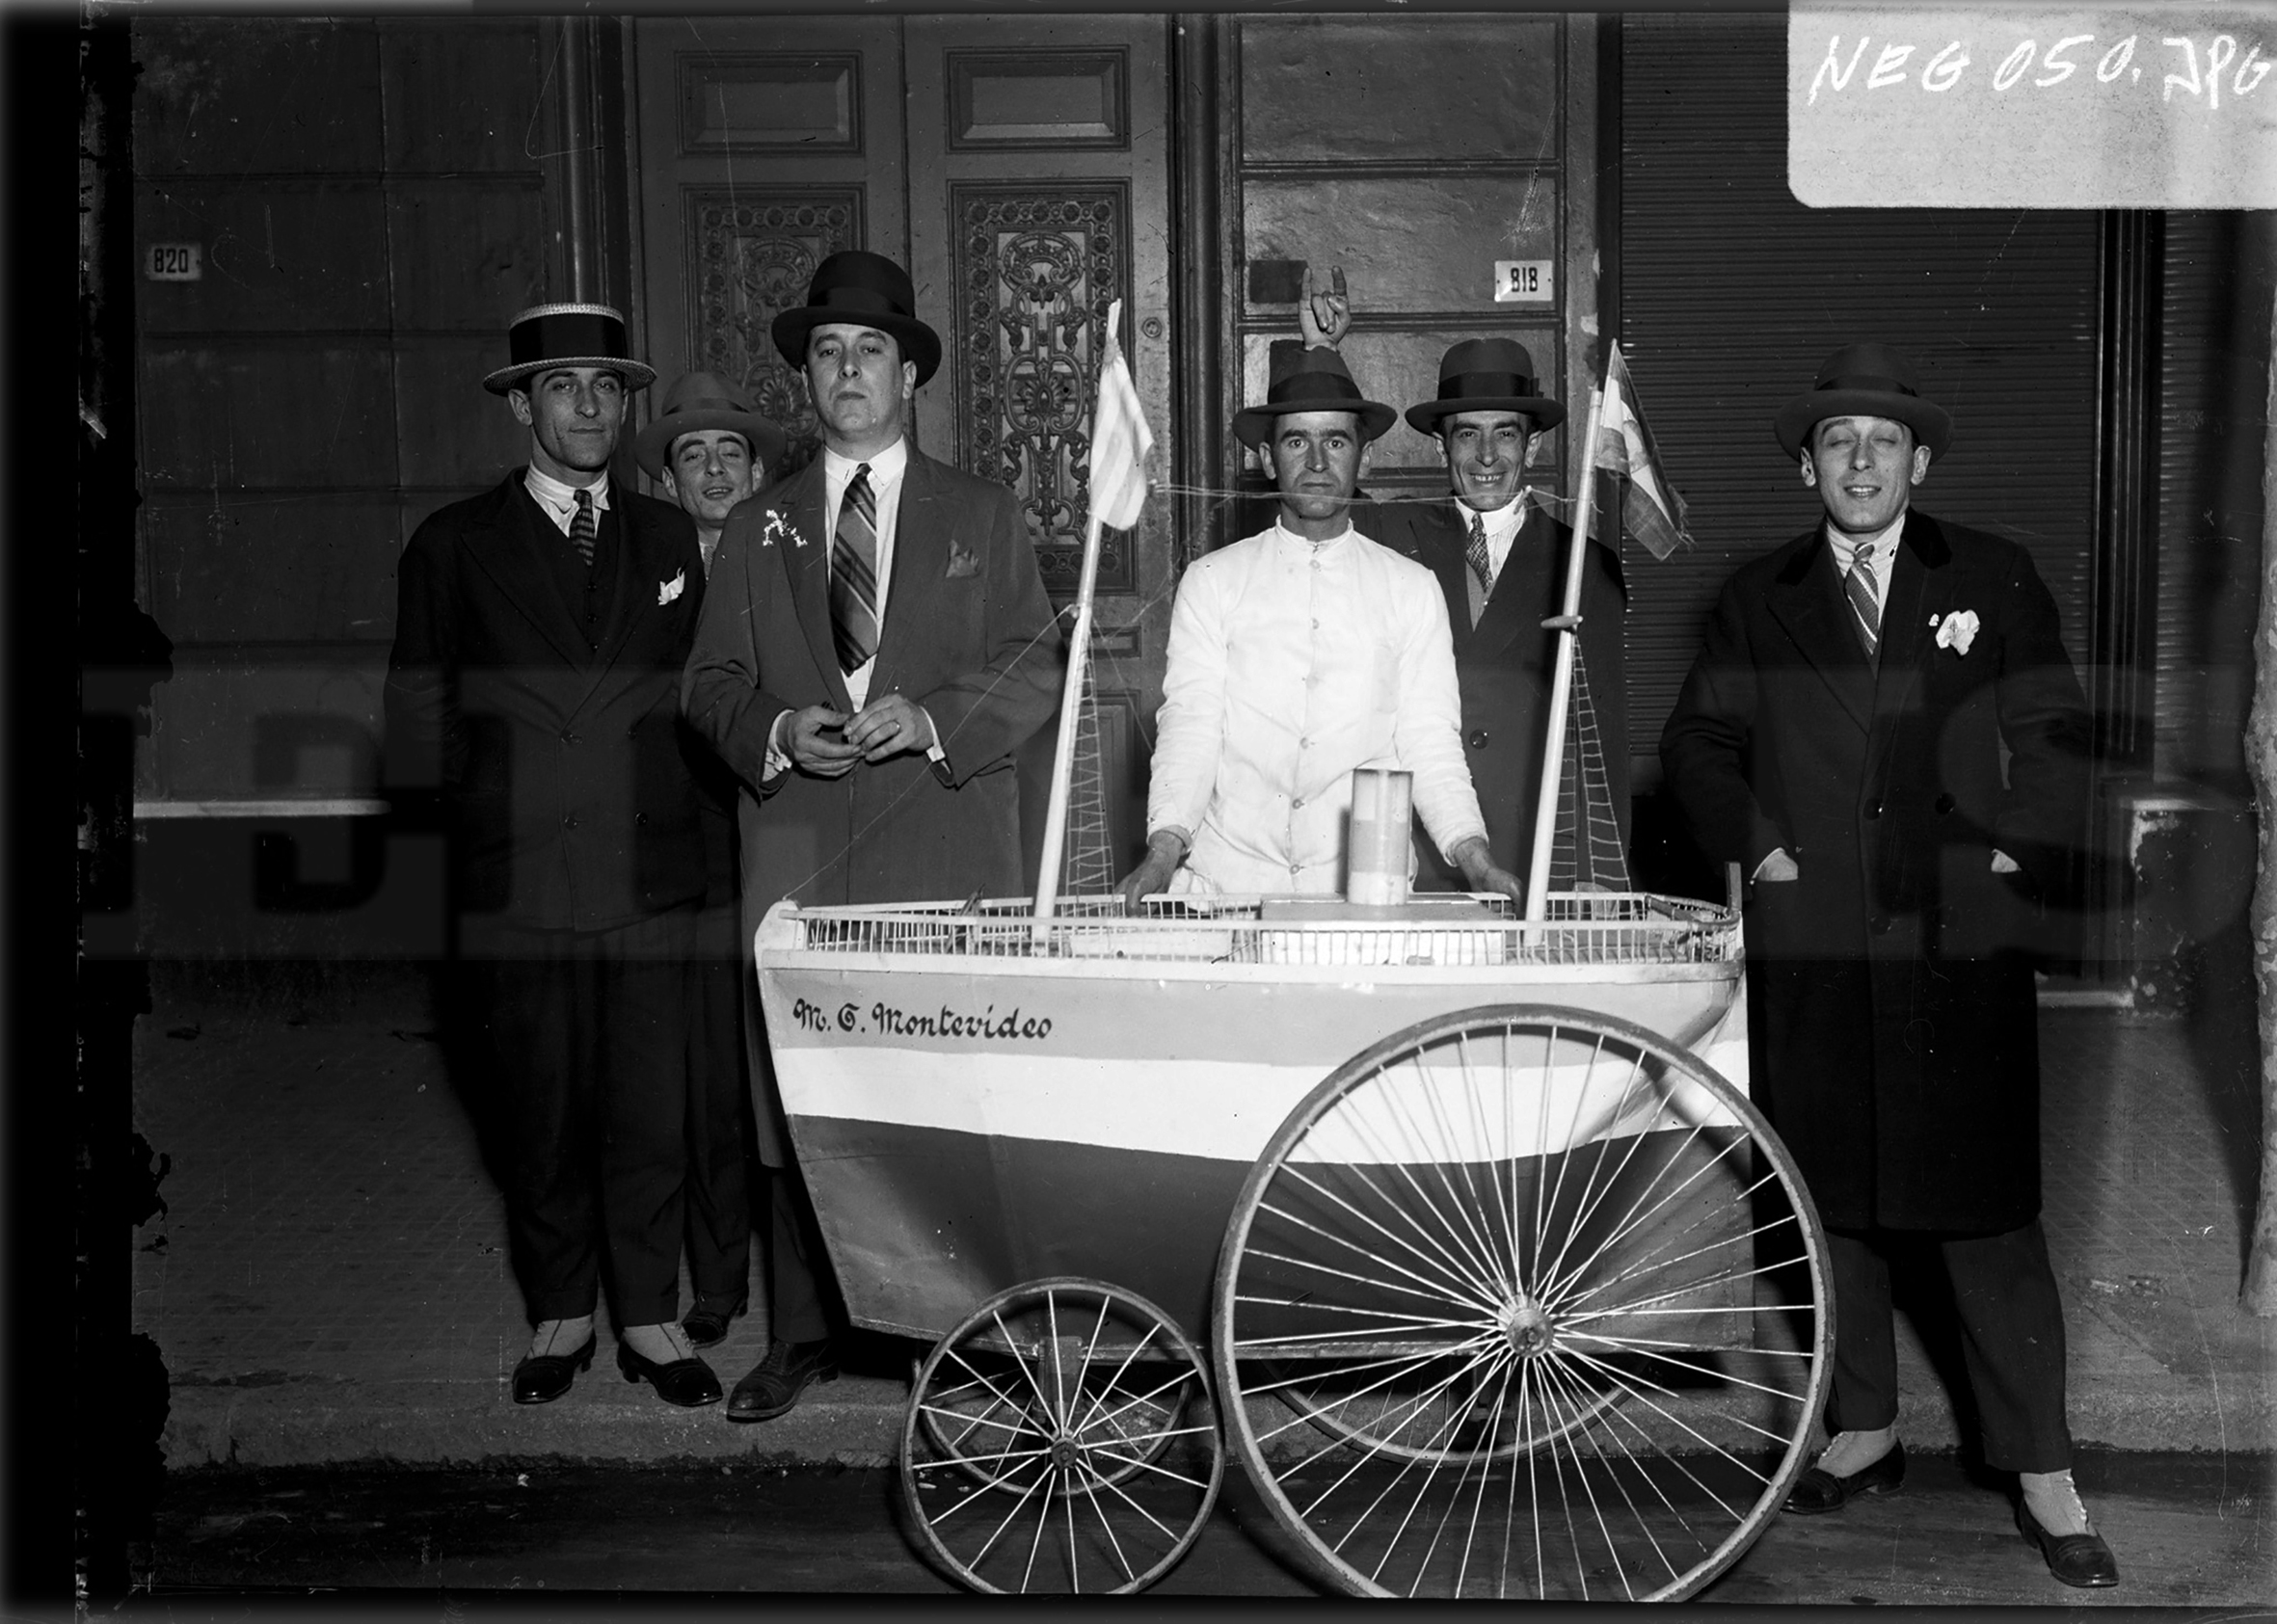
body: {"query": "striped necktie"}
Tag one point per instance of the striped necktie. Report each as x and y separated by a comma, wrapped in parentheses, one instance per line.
(1482, 569)
(854, 575)
(1858, 585)
(584, 527)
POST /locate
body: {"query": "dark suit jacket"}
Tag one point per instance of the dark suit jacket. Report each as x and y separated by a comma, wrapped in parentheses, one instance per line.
(969, 634)
(562, 766)
(1505, 664)
(1895, 1019)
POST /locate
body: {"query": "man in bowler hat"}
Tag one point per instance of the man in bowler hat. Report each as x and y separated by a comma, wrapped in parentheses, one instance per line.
(710, 447)
(1500, 559)
(875, 645)
(1296, 656)
(533, 688)
(1842, 737)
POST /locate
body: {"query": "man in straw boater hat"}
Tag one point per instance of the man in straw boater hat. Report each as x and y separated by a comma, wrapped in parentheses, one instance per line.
(1500, 559)
(1296, 656)
(534, 682)
(710, 448)
(1842, 737)
(875, 645)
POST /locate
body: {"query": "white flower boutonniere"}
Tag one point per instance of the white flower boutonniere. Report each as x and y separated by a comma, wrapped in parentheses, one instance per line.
(667, 591)
(777, 527)
(1957, 630)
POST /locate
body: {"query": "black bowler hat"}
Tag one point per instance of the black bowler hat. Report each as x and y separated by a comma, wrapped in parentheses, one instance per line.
(1486, 375)
(1309, 379)
(546, 336)
(1865, 380)
(867, 290)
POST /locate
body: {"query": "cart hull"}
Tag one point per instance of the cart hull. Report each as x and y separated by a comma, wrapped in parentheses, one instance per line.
(964, 1124)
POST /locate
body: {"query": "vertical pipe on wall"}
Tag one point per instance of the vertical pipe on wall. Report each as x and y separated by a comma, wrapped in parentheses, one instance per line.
(576, 100)
(1198, 280)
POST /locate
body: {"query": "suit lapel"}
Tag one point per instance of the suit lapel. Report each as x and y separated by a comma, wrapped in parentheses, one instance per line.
(626, 603)
(1921, 587)
(920, 556)
(510, 557)
(1439, 543)
(1807, 600)
(1530, 584)
(805, 510)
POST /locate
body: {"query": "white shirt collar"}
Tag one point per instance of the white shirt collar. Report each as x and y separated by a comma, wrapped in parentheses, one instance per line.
(558, 497)
(1885, 545)
(1502, 523)
(884, 468)
(1289, 538)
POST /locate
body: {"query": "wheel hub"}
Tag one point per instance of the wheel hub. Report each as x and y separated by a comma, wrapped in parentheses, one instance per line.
(1064, 1454)
(1526, 1327)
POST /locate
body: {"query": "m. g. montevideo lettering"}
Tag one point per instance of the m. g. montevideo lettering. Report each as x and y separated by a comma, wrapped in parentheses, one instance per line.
(985, 1025)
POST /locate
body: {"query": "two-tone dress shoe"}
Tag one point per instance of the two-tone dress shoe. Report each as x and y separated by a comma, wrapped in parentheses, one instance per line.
(686, 1382)
(776, 1381)
(540, 1378)
(1820, 1490)
(2080, 1559)
(707, 1327)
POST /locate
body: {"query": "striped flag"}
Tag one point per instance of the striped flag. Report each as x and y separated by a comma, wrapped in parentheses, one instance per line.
(1119, 439)
(1652, 511)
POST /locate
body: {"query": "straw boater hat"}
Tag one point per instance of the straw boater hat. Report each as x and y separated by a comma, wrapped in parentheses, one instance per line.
(705, 400)
(549, 335)
(1865, 380)
(868, 290)
(1486, 375)
(1309, 380)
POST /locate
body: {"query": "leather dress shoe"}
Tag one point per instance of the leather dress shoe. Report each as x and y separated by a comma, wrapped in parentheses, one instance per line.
(686, 1382)
(2080, 1559)
(540, 1378)
(707, 1327)
(1820, 1490)
(776, 1381)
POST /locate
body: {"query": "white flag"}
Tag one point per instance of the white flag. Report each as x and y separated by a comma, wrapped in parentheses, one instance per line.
(1119, 439)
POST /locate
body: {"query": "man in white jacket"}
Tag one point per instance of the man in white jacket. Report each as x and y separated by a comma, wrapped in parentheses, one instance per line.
(1296, 656)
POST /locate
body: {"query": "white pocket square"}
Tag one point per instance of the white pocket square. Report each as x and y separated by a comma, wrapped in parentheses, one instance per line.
(667, 591)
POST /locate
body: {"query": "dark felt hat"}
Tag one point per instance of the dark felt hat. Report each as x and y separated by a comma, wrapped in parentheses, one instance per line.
(1865, 380)
(1486, 375)
(546, 336)
(705, 400)
(1309, 380)
(868, 290)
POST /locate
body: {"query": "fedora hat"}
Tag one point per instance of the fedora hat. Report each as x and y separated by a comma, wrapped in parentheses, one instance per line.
(868, 290)
(1486, 375)
(544, 336)
(1309, 380)
(1866, 380)
(705, 400)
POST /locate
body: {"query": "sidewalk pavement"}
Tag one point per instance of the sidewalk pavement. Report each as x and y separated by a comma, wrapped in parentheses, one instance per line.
(330, 1282)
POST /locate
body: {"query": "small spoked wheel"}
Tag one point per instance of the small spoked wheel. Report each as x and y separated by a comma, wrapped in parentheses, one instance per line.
(1061, 1440)
(1548, 1302)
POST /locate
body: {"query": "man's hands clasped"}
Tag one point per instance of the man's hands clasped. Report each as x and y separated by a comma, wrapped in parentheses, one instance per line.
(827, 742)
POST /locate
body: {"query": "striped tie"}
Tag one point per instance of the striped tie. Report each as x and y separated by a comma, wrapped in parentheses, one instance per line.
(853, 575)
(1858, 586)
(1482, 569)
(585, 528)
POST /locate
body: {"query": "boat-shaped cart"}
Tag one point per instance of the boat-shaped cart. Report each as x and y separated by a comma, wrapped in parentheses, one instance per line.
(1505, 1288)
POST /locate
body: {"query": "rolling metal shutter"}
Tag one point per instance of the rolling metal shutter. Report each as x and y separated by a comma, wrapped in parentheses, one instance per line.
(1732, 293)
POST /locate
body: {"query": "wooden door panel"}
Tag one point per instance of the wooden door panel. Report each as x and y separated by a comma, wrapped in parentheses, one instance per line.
(766, 146)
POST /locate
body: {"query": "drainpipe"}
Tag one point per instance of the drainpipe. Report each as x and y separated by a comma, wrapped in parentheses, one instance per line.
(576, 73)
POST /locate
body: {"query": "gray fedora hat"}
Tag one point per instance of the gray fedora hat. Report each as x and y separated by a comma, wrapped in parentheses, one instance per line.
(705, 400)
(1865, 380)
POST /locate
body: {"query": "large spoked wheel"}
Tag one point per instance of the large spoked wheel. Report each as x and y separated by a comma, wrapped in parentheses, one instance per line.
(1061, 1440)
(1549, 1302)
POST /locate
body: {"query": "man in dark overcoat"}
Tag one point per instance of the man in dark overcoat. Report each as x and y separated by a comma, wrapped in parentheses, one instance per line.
(1500, 559)
(877, 642)
(533, 687)
(710, 448)
(1842, 737)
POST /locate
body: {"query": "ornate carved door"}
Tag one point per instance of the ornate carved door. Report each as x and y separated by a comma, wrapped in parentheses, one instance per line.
(1019, 168)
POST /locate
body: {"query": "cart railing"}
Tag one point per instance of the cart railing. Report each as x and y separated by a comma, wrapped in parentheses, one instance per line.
(1581, 928)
